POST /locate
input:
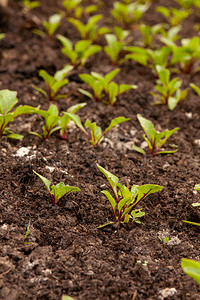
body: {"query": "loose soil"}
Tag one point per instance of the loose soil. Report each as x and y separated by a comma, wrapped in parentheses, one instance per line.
(65, 253)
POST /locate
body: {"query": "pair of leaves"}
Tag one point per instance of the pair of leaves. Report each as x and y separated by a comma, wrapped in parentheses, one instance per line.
(154, 139)
(96, 135)
(57, 191)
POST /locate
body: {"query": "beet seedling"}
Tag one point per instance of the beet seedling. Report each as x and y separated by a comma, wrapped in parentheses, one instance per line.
(52, 25)
(51, 119)
(65, 120)
(8, 99)
(28, 5)
(96, 135)
(102, 88)
(191, 268)
(114, 47)
(173, 15)
(54, 83)
(154, 139)
(58, 191)
(169, 91)
(89, 31)
(149, 33)
(124, 201)
(130, 13)
(72, 7)
(82, 50)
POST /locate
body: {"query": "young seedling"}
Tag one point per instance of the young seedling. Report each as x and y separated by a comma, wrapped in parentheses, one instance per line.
(102, 88)
(8, 99)
(89, 31)
(191, 268)
(187, 55)
(96, 135)
(121, 34)
(149, 33)
(58, 191)
(2, 36)
(72, 6)
(124, 201)
(148, 57)
(52, 25)
(196, 204)
(128, 14)
(82, 50)
(113, 48)
(28, 5)
(27, 233)
(154, 139)
(169, 91)
(54, 83)
(173, 15)
(65, 120)
(51, 119)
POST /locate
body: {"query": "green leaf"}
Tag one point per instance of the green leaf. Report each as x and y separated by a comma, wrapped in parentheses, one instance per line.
(197, 187)
(191, 223)
(111, 75)
(82, 46)
(115, 122)
(46, 182)
(164, 75)
(24, 109)
(147, 127)
(41, 91)
(15, 136)
(47, 78)
(104, 225)
(110, 198)
(195, 88)
(96, 132)
(60, 75)
(125, 87)
(138, 149)
(65, 42)
(77, 121)
(191, 268)
(36, 134)
(86, 93)
(76, 107)
(113, 180)
(60, 190)
(8, 99)
(113, 92)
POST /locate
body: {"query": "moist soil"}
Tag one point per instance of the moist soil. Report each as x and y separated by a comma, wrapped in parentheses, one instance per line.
(65, 253)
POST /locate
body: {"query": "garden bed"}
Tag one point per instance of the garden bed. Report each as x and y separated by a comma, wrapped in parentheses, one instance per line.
(65, 253)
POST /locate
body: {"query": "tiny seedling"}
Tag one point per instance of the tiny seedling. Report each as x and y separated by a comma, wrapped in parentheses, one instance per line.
(52, 24)
(128, 13)
(169, 91)
(57, 191)
(154, 139)
(54, 83)
(102, 88)
(65, 120)
(173, 15)
(51, 119)
(191, 268)
(148, 57)
(195, 88)
(164, 240)
(89, 31)
(96, 135)
(2, 36)
(149, 33)
(196, 204)
(113, 48)
(82, 51)
(8, 99)
(28, 5)
(125, 200)
(187, 55)
(72, 7)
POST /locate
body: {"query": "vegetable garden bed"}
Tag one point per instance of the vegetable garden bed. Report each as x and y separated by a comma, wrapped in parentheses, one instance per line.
(48, 251)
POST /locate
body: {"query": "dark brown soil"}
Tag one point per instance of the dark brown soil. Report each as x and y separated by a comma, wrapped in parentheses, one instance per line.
(65, 253)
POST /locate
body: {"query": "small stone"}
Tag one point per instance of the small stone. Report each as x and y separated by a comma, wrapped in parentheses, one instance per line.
(168, 292)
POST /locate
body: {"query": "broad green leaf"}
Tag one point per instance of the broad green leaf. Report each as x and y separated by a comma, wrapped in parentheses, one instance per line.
(76, 107)
(15, 136)
(111, 75)
(172, 102)
(123, 202)
(51, 121)
(164, 11)
(195, 88)
(53, 110)
(24, 109)
(60, 190)
(88, 79)
(57, 85)
(113, 180)
(60, 75)
(112, 92)
(82, 46)
(147, 127)
(110, 198)
(164, 75)
(115, 122)
(5, 120)
(46, 182)
(91, 51)
(86, 93)
(76, 120)
(82, 28)
(8, 99)
(47, 78)
(191, 268)
(145, 190)
(139, 58)
(125, 87)
(138, 149)
(65, 42)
